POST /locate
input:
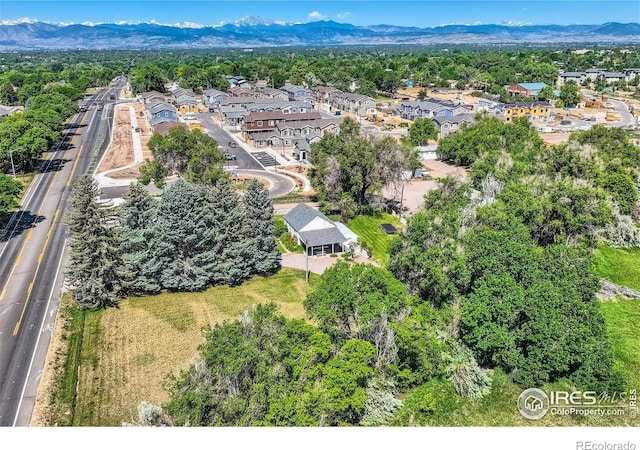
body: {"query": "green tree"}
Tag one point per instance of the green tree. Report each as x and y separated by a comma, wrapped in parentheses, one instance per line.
(137, 221)
(259, 225)
(421, 131)
(192, 154)
(146, 78)
(349, 300)
(232, 247)
(9, 191)
(570, 94)
(94, 270)
(356, 165)
(546, 93)
(182, 242)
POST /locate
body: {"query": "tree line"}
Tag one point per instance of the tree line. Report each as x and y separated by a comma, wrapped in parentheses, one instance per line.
(194, 237)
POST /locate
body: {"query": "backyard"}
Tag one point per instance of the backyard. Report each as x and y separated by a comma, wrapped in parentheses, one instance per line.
(368, 230)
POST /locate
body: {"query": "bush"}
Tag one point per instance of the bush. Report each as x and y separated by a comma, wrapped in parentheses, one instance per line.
(279, 226)
(476, 94)
(290, 242)
(622, 232)
(467, 378)
(430, 404)
(381, 404)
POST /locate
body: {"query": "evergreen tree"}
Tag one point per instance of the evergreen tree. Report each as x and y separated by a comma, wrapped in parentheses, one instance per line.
(182, 243)
(137, 219)
(231, 251)
(94, 267)
(259, 221)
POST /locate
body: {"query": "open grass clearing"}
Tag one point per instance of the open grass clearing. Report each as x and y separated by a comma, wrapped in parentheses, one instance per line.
(368, 230)
(128, 351)
(618, 265)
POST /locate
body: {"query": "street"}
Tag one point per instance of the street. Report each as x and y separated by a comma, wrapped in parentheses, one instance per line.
(32, 255)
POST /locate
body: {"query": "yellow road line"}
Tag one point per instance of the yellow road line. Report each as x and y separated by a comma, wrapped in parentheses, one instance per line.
(44, 248)
(24, 244)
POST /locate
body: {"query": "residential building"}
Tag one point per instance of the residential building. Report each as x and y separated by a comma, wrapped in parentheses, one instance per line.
(213, 97)
(164, 127)
(593, 73)
(526, 89)
(358, 104)
(153, 97)
(631, 73)
(577, 77)
(430, 108)
(161, 112)
(183, 95)
(297, 93)
(302, 146)
(532, 110)
(317, 233)
(611, 77)
(237, 91)
(447, 125)
(275, 94)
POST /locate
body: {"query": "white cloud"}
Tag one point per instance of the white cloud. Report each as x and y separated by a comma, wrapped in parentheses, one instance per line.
(315, 15)
(344, 15)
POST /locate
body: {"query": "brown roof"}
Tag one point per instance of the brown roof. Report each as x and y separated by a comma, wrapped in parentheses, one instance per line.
(164, 127)
(279, 115)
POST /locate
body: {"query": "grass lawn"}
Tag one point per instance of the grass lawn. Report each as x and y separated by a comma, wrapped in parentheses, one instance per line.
(618, 265)
(128, 351)
(368, 230)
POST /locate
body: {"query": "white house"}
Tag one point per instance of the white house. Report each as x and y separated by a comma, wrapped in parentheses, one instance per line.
(316, 232)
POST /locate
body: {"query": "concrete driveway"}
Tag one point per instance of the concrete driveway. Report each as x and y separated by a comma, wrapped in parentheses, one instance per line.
(317, 264)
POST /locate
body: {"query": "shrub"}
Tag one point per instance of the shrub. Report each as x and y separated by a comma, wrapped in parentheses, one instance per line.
(381, 404)
(467, 378)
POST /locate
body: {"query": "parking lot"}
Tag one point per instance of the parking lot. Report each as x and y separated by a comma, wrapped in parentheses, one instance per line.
(265, 159)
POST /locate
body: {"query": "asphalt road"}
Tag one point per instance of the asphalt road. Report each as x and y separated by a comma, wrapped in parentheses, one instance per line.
(32, 254)
(244, 159)
(279, 185)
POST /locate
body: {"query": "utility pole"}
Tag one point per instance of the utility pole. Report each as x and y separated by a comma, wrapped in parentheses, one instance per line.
(13, 167)
(306, 272)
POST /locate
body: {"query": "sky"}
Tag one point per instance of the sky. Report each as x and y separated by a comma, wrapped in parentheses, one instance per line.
(419, 13)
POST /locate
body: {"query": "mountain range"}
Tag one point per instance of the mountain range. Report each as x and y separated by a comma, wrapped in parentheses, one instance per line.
(253, 31)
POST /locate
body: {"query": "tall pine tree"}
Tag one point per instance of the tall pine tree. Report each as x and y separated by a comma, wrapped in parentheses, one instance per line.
(137, 220)
(258, 209)
(94, 270)
(182, 241)
(227, 221)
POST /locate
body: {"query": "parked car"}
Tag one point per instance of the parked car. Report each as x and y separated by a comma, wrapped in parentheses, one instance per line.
(565, 122)
(232, 144)
(189, 118)
(230, 157)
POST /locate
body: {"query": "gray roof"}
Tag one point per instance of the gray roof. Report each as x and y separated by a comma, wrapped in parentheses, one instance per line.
(322, 237)
(302, 215)
(572, 74)
(161, 106)
(613, 75)
(469, 118)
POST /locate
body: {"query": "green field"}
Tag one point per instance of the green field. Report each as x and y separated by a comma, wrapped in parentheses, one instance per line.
(368, 230)
(127, 352)
(618, 265)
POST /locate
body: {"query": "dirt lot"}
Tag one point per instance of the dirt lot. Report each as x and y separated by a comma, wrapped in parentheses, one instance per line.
(415, 189)
(120, 152)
